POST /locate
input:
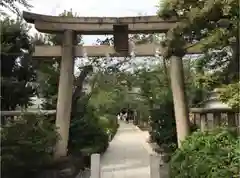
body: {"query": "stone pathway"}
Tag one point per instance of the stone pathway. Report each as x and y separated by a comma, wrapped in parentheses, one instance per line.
(127, 155)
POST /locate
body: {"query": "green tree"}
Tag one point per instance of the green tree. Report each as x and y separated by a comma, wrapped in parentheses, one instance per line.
(212, 27)
(49, 71)
(208, 26)
(230, 94)
(13, 5)
(17, 69)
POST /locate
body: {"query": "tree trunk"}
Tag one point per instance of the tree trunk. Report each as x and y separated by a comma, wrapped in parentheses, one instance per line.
(179, 98)
(79, 87)
(233, 67)
(166, 71)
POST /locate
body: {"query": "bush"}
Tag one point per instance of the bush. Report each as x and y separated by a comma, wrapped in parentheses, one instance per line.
(87, 136)
(230, 94)
(109, 124)
(163, 124)
(27, 145)
(211, 154)
(104, 123)
(163, 129)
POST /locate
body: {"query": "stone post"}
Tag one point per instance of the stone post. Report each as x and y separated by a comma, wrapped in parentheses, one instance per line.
(231, 120)
(203, 122)
(154, 166)
(65, 90)
(95, 166)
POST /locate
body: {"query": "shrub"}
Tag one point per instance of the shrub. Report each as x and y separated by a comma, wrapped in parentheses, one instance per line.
(211, 154)
(230, 94)
(104, 123)
(27, 145)
(109, 124)
(86, 135)
(163, 124)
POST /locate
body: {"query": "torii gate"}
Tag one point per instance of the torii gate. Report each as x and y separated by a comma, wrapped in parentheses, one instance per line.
(70, 26)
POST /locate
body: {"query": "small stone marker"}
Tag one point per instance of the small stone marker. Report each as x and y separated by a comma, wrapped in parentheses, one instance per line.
(95, 166)
(154, 166)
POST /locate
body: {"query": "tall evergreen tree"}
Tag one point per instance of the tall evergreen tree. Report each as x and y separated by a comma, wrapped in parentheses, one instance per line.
(17, 71)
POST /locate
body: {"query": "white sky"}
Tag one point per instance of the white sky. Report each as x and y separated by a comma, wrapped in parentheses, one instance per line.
(98, 8)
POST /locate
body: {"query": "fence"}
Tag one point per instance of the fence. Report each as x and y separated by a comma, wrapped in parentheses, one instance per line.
(11, 116)
(209, 118)
(206, 118)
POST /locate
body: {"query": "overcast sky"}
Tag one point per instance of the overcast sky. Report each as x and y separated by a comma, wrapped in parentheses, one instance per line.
(99, 8)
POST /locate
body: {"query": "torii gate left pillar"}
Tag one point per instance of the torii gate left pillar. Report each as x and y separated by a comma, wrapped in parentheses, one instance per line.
(65, 90)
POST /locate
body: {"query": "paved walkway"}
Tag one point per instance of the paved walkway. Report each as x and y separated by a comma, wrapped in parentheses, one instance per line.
(127, 155)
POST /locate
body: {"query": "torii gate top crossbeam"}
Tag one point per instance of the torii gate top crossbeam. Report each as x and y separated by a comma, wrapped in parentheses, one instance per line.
(98, 25)
(31, 17)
